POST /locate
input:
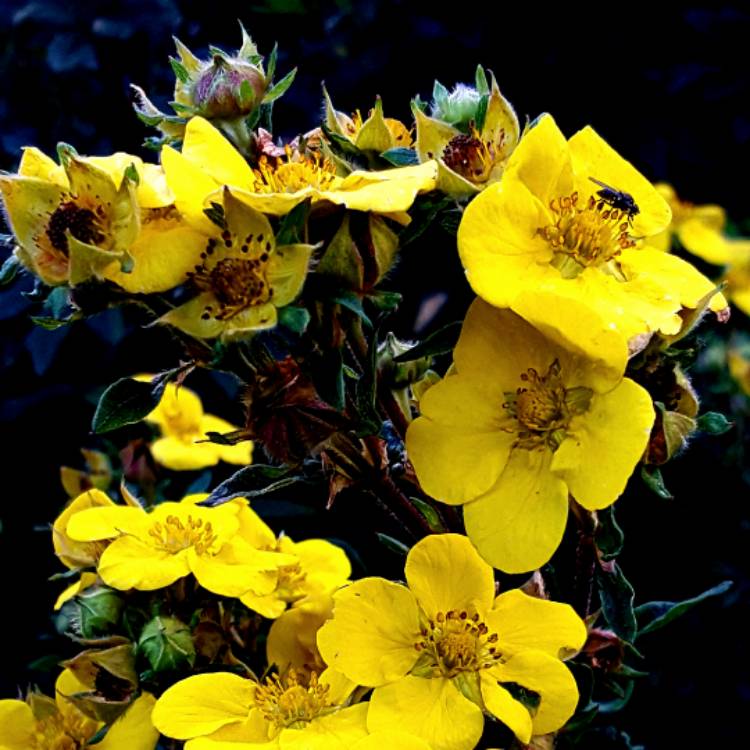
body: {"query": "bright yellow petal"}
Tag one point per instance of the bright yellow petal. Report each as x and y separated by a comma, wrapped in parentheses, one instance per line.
(163, 253)
(594, 157)
(65, 548)
(326, 565)
(273, 204)
(704, 241)
(206, 147)
(603, 445)
(393, 739)
(456, 447)
(179, 410)
(548, 677)
(201, 704)
(153, 190)
(178, 455)
(190, 186)
(34, 163)
(188, 318)
(672, 273)
(133, 730)
(386, 191)
(525, 622)
(432, 709)
(518, 524)
(445, 573)
(17, 725)
(542, 162)
(129, 563)
(106, 522)
(292, 638)
(501, 704)
(335, 731)
(253, 529)
(228, 578)
(373, 631)
(286, 272)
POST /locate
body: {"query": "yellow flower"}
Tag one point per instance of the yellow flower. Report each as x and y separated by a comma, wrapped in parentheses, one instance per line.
(151, 550)
(376, 133)
(441, 651)
(208, 161)
(552, 224)
(319, 569)
(469, 161)
(43, 724)
(242, 277)
(529, 415)
(183, 423)
(700, 230)
(71, 222)
(71, 552)
(223, 711)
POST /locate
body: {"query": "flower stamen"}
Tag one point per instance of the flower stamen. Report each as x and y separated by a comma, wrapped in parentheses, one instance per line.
(173, 535)
(290, 702)
(292, 172)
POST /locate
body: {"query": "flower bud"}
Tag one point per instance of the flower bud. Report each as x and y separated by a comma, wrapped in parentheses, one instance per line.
(459, 107)
(167, 644)
(228, 88)
(95, 611)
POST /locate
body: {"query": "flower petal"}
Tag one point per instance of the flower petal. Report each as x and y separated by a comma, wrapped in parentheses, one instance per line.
(201, 704)
(233, 579)
(133, 730)
(548, 677)
(501, 704)
(393, 739)
(373, 631)
(34, 163)
(603, 445)
(445, 573)
(518, 524)
(286, 272)
(335, 731)
(525, 622)
(432, 709)
(106, 522)
(129, 563)
(178, 455)
(326, 565)
(188, 317)
(594, 157)
(239, 454)
(17, 725)
(206, 147)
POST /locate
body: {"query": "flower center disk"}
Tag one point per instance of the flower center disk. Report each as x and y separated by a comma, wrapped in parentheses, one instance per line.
(173, 535)
(82, 223)
(293, 172)
(585, 233)
(289, 701)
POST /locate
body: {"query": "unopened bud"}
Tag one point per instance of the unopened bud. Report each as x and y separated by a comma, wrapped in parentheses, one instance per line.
(228, 88)
(167, 643)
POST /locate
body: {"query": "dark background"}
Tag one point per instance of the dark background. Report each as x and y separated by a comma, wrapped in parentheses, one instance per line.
(669, 90)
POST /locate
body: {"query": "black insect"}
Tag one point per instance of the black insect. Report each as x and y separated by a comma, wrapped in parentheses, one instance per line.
(617, 199)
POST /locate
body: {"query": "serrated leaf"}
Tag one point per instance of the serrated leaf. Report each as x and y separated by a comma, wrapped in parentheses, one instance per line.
(617, 597)
(655, 615)
(280, 88)
(179, 70)
(128, 401)
(608, 536)
(441, 341)
(251, 481)
(653, 479)
(296, 319)
(394, 545)
(9, 271)
(401, 156)
(714, 423)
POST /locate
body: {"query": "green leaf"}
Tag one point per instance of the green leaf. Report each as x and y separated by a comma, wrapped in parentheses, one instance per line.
(439, 93)
(481, 113)
(352, 301)
(393, 544)
(400, 157)
(617, 596)
(655, 615)
(131, 173)
(651, 475)
(179, 70)
(49, 324)
(341, 146)
(296, 319)
(167, 643)
(430, 514)
(251, 481)
(366, 390)
(215, 214)
(280, 88)
(272, 59)
(423, 214)
(292, 227)
(128, 401)
(386, 301)
(9, 270)
(441, 341)
(714, 423)
(608, 536)
(480, 81)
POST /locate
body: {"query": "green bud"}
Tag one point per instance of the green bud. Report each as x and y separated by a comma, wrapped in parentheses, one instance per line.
(228, 88)
(459, 107)
(95, 611)
(167, 643)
